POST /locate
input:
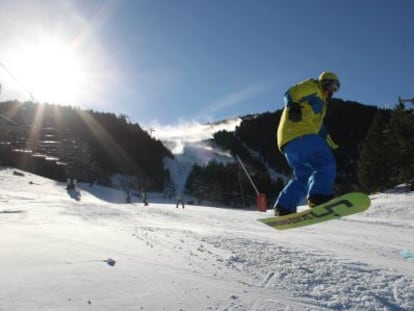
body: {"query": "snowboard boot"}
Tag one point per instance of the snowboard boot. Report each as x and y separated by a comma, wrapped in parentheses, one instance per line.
(280, 211)
(318, 199)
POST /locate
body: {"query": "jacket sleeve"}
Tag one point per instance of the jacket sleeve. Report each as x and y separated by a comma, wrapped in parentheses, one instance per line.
(315, 102)
(325, 135)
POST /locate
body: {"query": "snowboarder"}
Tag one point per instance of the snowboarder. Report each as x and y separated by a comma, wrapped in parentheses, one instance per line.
(306, 145)
(180, 200)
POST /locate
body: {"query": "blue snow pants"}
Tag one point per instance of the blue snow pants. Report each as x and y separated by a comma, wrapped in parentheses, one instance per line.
(314, 170)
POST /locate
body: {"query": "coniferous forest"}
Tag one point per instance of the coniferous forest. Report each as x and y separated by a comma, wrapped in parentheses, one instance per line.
(376, 150)
(65, 142)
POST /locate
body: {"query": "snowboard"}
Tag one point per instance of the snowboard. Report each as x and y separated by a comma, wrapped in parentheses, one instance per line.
(347, 204)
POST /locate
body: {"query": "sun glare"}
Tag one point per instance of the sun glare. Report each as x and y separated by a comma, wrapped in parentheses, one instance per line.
(51, 70)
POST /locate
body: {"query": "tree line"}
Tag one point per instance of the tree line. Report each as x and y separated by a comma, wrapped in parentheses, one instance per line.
(376, 152)
(60, 142)
(387, 157)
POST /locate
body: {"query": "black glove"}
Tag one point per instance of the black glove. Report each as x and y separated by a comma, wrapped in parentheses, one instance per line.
(294, 112)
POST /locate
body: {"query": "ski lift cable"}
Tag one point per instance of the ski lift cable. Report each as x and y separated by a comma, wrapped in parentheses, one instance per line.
(23, 88)
(8, 119)
(21, 84)
(18, 125)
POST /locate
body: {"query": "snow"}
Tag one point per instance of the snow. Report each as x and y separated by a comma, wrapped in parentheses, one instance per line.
(90, 251)
(191, 132)
(189, 142)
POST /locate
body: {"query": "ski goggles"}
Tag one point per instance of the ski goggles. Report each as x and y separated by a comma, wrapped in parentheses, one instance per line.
(331, 85)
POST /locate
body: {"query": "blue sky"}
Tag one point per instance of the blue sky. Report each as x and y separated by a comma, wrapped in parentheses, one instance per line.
(172, 61)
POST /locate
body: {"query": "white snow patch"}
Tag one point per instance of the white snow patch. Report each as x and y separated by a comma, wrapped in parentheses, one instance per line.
(177, 137)
(189, 142)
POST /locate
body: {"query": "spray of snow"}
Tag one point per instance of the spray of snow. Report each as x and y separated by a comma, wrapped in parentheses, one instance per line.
(176, 138)
(189, 142)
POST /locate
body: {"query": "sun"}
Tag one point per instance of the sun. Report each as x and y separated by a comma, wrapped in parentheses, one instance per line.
(51, 69)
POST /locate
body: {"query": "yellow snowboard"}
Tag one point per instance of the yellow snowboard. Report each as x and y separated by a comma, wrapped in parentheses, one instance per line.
(344, 205)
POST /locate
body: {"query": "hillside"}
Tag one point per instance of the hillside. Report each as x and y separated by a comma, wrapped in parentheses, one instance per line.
(62, 251)
(63, 142)
(253, 139)
(200, 159)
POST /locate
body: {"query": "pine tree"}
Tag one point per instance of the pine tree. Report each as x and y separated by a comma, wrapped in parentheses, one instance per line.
(374, 167)
(401, 144)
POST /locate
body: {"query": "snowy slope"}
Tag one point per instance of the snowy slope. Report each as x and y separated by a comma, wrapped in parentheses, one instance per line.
(189, 144)
(56, 249)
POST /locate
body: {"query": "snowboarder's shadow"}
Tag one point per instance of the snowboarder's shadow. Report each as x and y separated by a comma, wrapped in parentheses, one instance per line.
(74, 194)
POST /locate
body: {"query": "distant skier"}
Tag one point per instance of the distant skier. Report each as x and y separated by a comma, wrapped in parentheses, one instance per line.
(72, 189)
(71, 184)
(306, 145)
(144, 196)
(180, 200)
(128, 196)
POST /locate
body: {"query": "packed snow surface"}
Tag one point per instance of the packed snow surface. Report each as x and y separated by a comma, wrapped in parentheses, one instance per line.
(63, 250)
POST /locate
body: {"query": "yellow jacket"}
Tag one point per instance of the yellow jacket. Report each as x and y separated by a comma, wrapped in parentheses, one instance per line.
(310, 96)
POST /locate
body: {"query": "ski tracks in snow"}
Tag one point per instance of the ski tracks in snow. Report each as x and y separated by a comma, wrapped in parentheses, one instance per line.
(325, 281)
(207, 257)
(258, 271)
